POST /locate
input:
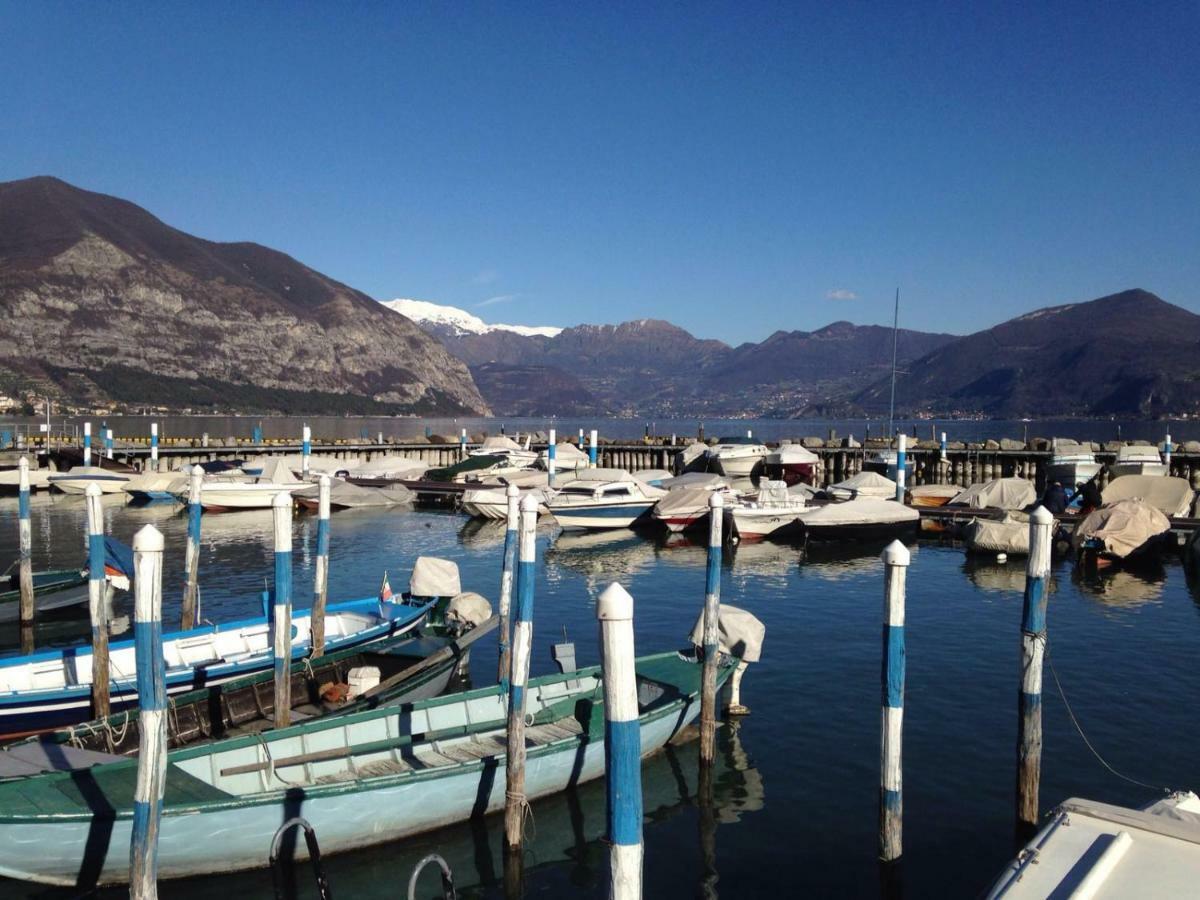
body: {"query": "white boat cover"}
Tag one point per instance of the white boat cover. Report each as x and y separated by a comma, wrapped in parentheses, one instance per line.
(1002, 493)
(859, 511)
(774, 493)
(434, 577)
(864, 484)
(1122, 526)
(710, 480)
(163, 482)
(792, 454)
(802, 491)
(389, 467)
(498, 442)
(566, 456)
(1007, 535)
(935, 490)
(602, 475)
(1169, 495)
(683, 501)
(352, 496)
(739, 633)
(652, 476)
(468, 609)
(1131, 453)
(692, 453)
(276, 471)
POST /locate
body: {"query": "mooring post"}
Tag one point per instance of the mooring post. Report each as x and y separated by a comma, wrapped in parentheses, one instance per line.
(305, 449)
(257, 433)
(1033, 649)
(749, 433)
(522, 639)
(108, 443)
(153, 446)
(152, 722)
(462, 444)
(97, 608)
(551, 453)
(87, 443)
(191, 560)
(711, 632)
(891, 729)
(25, 556)
(622, 742)
(592, 447)
(321, 569)
(901, 462)
(942, 447)
(1167, 452)
(508, 567)
(282, 625)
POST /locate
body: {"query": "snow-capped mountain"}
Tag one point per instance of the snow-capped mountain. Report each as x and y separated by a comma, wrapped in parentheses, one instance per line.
(458, 321)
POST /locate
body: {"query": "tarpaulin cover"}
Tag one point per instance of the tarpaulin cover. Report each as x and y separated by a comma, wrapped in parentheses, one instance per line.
(468, 609)
(1170, 496)
(1003, 493)
(860, 511)
(433, 577)
(864, 484)
(1121, 527)
(739, 633)
(774, 493)
(118, 556)
(1007, 535)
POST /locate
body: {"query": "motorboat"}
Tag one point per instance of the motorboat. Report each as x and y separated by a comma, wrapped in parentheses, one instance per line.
(1169, 495)
(10, 480)
(155, 487)
(1071, 464)
(220, 493)
(887, 463)
(595, 499)
(932, 496)
(1008, 535)
(384, 469)
(1126, 532)
(343, 495)
(999, 493)
(737, 457)
(773, 512)
(490, 499)
(1137, 459)
(1092, 849)
(567, 458)
(861, 519)
(864, 484)
(686, 503)
(79, 478)
(792, 464)
(510, 453)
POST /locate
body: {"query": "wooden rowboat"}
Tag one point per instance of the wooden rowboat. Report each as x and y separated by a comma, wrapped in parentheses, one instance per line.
(52, 589)
(360, 779)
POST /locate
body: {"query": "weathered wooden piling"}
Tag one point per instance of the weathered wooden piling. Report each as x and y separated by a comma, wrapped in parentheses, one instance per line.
(191, 559)
(522, 639)
(901, 462)
(508, 567)
(26, 610)
(97, 607)
(712, 615)
(1033, 649)
(622, 742)
(152, 722)
(551, 454)
(321, 569)
(282, 619)
(154, 446)
(593, 446)
(305, 449)
(87, 443)
(896, 559)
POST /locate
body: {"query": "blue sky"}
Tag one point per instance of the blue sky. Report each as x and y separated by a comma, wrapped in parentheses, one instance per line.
(735, 168)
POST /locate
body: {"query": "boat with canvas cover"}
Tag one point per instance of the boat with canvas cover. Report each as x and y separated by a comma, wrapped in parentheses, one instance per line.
(1071, 463)
(772, 512)
(602, 498)
(155, 487)
(737, 457)
(887, 463)
(415, 767)
(1169, 495)
(1000, 493)
(512, 454)
(490, 499)
(1137, 459)
(861, 519)
(686, 503)
(933, 496)
(1127, 532)
(870, 485)
(792, 463)
(567, 458)
(10, 479)
(343, 495)
(79, 478)
(64, 590)
(220, 493)
(1008, 535)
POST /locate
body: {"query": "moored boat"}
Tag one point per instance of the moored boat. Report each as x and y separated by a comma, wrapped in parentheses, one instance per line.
(999, 493)
(773, 512)
(686, 503)
(737, 457)
(510, 453)
(1169, 495)
(602, 498)
(1071, 464)
(79, 478)
(1137, 459)
(863, 485)
(792, 464)
(1126, 532)
(861, 519)
(155, 487)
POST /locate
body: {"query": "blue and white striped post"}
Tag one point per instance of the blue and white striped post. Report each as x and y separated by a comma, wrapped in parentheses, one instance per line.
(522, 641)
(321, 575)
(87, 443)
(1167, 452)
(593, 441)
(152, 721)
(1033, 649)
(462, 444)
(622, 742)
(154, 446)
(749, 433)
(580, 440)
(508, 567)
(25, 556)
(896, 559)
(551, 456)
(282, 614)
(305, 449)
(108, 443)
(901, 463)
(191, 559)
(942, 447)
(256, 433)
(711, 631)
(97, 607)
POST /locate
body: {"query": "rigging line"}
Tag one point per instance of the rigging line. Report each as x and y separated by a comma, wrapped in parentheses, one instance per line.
(895, 345)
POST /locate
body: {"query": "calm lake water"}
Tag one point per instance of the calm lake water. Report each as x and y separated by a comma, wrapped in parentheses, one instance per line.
(798, 779)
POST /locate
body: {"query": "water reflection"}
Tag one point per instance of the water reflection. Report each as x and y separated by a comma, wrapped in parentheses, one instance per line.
(763, 558)
(834, 562)
(483, 534)
(1123, 588)
(602, 556)
(995, 577)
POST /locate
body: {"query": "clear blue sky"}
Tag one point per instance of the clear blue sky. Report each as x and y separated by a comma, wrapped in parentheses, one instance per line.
(728, 167)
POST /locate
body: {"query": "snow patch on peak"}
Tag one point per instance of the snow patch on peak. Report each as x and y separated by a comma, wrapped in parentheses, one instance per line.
(459, 320)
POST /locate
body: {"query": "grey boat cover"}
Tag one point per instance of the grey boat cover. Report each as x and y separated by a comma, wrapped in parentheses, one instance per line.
(1009, 534)
(468, 610)
(859, 511)
(1002, 493)
(1170, 496)
(566, 456)
(1122, 527)
(692, 453)
(389, 467)
(499, 442)
(652, 476)
(344, 495)
(276, 471)
(710, 480)
(864, 484)
(683, 501)
(803, 491)
(739, 633)
(433, 577)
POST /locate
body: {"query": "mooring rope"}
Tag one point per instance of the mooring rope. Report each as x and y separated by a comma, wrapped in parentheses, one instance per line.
(1087, 743)
(529, 833)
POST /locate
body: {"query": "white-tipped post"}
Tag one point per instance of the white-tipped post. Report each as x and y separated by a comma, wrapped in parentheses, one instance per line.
(154, 446)
(593, 447)
(152, 722)
(515, 802)
(305, 449)
(711, 630)
(551, 453)
(321, 574)
(191, 559)
(462, 444)
(508, 566)
(1033, 649)
(1167, 452)
(901, 463)
(97, 608)
(25, 556)
(87, 443)
(942, 447)
(749, 433)
(896, 559)
(622, 742)
(282, 624)
(108, 443)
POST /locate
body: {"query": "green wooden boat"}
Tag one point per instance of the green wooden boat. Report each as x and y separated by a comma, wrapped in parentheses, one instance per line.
(52, 589)
(360, 779)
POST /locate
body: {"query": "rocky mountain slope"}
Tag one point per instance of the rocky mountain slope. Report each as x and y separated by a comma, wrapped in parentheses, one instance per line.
(103, 302)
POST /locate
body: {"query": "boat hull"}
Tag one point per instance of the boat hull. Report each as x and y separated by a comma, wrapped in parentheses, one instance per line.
(740, 466)
(1071, 473)
(108, 484)
(792, 473)
(51, 591)
(1137, 468)
(867, 531)
(613, 515)
(766, 524)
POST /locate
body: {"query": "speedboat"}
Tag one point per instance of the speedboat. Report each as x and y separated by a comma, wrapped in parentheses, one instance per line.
(10, 480)
(1127, 532)
(686, 503)
(490, 499)
(792, 464)
(596, 499)
(152, 487)
(772, 513)
(512, 454)
(80, 478)
(219, 494)
(887, 463)
(864, 484)
(1137, 459)
(737, 457)
(1071, 464)
(861, 519)
(1169, 495)
(567, 458)
(999, 493)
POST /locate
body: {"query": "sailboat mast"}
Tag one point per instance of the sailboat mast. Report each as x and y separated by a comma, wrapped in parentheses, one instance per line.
(895, 344)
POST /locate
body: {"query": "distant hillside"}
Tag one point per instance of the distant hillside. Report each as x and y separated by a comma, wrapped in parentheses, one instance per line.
(1125, 354)
(102, 301)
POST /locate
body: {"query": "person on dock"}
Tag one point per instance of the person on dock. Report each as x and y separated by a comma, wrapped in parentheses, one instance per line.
(1055, 499)
(1089, 497)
